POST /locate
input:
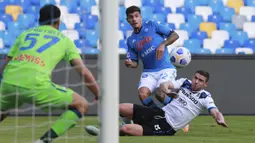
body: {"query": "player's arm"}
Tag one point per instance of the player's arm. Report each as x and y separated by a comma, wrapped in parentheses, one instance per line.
(73, 57)
(8, 58)
(6, 61)
(132, 57)
(170, 87)
(171, 37)
(218, 116)
(87, 76)
(208, 103)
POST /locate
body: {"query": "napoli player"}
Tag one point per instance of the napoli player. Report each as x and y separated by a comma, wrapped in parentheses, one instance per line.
(190, 100)
(148, 43)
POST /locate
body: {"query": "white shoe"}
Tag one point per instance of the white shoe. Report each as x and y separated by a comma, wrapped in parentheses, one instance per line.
(92, 130)
(39, 141)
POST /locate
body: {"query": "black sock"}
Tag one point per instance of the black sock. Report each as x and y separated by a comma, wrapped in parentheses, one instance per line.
(49, 136)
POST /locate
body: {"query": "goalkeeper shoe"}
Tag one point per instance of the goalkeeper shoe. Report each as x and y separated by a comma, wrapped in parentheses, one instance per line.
(92, 130)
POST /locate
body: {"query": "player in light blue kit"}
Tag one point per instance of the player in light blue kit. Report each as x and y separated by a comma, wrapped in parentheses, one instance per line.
(148, 42)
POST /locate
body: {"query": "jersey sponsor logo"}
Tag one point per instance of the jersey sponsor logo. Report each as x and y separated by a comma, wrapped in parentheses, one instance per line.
(157, 127)
(141, 43)
(183, 102)
(189, 96)
(30, 58)
(146, 52)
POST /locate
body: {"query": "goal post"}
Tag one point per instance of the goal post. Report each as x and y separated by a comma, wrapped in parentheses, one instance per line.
(109, 72)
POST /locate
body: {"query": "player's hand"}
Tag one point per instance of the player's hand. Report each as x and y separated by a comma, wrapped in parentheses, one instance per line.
(220, 120)
(128, 63)
(160, 51)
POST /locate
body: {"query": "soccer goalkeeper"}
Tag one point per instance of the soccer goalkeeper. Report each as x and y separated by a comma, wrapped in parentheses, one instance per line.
(27, 71)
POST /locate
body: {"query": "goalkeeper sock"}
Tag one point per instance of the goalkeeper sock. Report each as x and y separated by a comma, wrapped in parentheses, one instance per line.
(67, 121)
(149, 102)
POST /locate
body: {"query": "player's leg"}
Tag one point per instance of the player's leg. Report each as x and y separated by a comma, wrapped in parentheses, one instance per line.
(165, 76)
(61, 97)
(10, 98)
(131, 129)
(146, 87)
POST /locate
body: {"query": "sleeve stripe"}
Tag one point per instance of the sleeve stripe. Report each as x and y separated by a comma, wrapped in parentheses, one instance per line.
(210, 108)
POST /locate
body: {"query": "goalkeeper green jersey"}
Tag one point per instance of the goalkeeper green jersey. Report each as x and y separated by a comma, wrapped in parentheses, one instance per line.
(35, 54)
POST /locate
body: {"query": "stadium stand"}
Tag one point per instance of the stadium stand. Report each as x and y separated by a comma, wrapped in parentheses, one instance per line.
(222, 26)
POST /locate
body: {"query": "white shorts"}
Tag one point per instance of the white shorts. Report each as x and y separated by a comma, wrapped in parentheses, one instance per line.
(152, 80)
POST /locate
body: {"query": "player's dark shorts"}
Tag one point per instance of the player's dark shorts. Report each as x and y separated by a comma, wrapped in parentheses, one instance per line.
(152, 120)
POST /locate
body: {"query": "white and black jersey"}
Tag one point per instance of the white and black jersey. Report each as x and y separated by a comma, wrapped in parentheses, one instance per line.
(187, 105)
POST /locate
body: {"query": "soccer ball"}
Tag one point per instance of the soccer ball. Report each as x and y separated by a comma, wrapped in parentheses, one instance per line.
(180, 57)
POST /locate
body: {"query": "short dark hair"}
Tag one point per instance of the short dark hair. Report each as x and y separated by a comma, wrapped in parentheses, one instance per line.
(49, 14)
(204, 73)
(132, 9)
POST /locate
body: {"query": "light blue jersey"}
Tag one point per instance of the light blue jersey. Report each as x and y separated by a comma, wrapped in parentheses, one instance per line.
(145, 43)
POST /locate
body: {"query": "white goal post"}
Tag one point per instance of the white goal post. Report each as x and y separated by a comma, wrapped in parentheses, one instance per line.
(109, 71)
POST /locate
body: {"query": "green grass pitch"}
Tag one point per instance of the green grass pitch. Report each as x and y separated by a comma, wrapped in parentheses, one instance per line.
(202, 130)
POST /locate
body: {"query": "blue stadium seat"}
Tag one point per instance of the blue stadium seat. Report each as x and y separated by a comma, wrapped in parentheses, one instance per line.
(203, 2)
(189, 28)
(200, 35)
(216, 5)
(216, 18)
(153, 3)
(92, 36)
(227, 13)
(90, 51)
(170, 25)
(69, 2)
(163, 10)
(249, 43)
(253, 18)
(225, 51)
(192, 44)
(90, 20)
(4, 51)
(28, 18)
(2, 7)
(184, 11)
(158, 17)
(195, 19)
(9, 39)
(230, 27)
(81, 43)
(6, 18)
(87, 4)
(146, 12)
(35, 2)
(62, 26)
(2, 34)
(124, 26)
(191, 4)
(240, 36)
(250, 3)
(77, 10)
(31, 9)
(13, 25)
(202, 51)
(122, 13)
(123, 44)
(43, 2)
(81, 25)
(231, 44)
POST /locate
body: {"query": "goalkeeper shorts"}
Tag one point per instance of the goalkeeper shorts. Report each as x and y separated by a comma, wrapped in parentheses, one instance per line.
(53, 96)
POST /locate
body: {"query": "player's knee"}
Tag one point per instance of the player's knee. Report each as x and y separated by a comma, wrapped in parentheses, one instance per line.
(143, 94)
(125, 129)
